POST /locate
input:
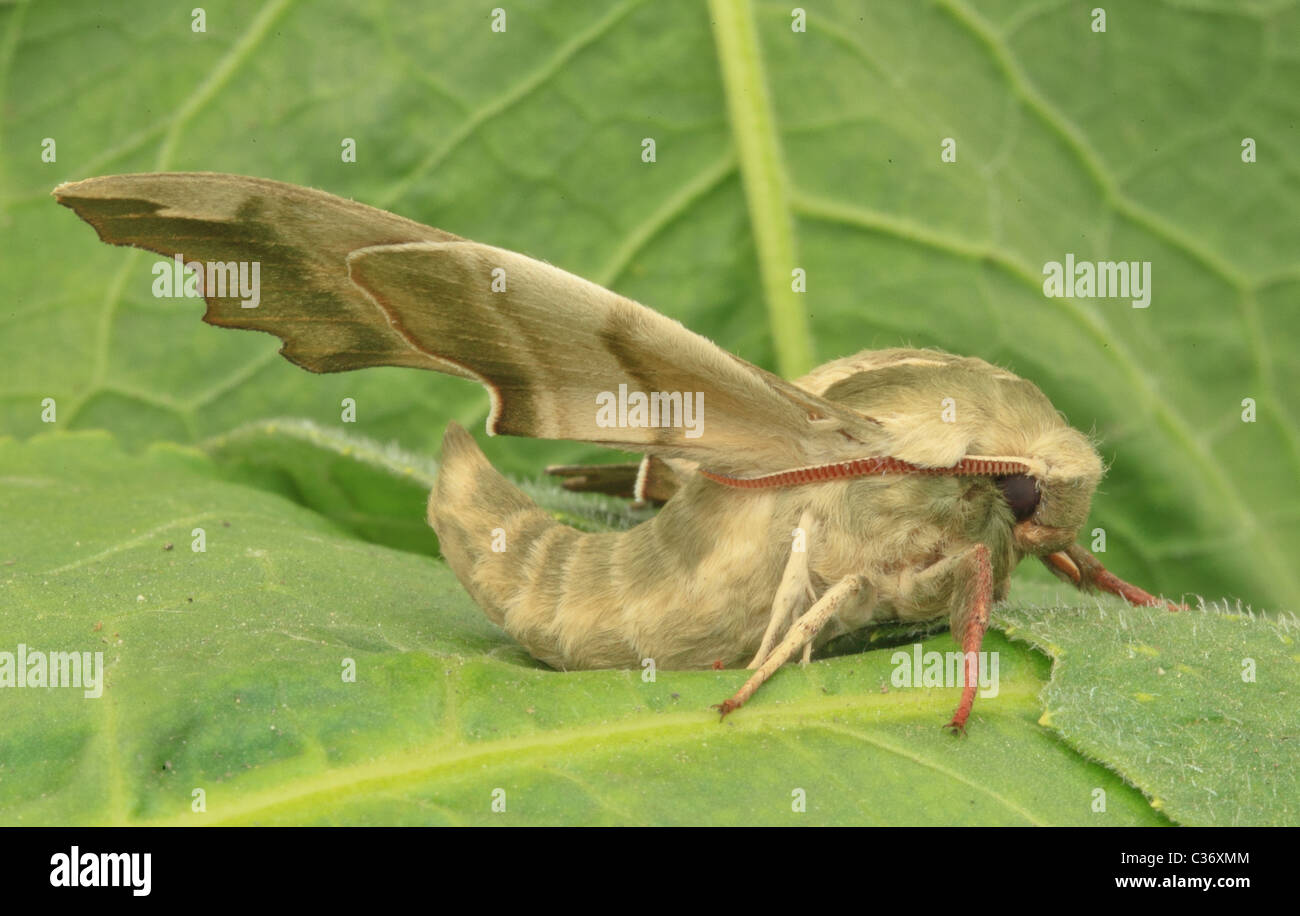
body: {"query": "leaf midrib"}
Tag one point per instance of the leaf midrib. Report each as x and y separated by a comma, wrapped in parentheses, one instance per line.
(429, 760)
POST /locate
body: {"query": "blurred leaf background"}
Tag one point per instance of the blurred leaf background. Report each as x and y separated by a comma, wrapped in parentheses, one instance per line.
(775, 149)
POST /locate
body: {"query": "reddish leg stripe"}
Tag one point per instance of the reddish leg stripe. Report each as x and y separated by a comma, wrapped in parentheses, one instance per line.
(865, 467)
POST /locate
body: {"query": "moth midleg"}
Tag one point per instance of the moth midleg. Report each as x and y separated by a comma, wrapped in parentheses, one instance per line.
(1076, 565)
(803, 631)
(793, 596)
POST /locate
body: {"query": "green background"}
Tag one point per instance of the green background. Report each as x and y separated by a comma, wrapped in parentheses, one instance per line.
(774, 149)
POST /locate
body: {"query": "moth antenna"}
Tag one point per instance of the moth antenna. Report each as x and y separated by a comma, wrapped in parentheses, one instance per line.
(865, 467)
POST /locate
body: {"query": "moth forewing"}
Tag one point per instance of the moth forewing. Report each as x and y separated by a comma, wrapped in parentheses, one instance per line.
(300, 236)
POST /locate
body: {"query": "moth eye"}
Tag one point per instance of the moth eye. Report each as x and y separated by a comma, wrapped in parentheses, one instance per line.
(1021, 494)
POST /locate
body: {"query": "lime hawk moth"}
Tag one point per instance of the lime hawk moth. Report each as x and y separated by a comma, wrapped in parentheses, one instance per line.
(904, 514)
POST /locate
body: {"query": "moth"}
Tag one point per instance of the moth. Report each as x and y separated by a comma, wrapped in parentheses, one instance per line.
(891, 485)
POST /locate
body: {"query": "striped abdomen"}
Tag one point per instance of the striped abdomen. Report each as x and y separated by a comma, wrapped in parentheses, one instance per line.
(688, 588)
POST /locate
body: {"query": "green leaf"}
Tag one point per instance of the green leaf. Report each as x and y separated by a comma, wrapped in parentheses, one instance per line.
(373, 491)
(224, 673)
(1198, 709)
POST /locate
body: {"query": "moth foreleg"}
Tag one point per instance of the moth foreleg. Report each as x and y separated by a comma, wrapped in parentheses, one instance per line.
(1078, 566)
(803, 631)
(793, 596)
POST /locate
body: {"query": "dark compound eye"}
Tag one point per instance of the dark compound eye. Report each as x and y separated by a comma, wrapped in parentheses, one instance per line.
(1021, 494)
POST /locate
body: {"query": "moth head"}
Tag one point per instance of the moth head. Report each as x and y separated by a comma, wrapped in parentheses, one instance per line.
(1050, 502)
